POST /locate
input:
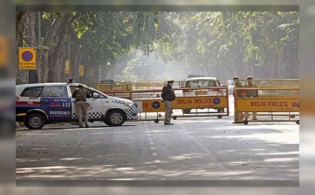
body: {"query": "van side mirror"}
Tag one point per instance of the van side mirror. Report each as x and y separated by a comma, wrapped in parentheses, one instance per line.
(95, 95)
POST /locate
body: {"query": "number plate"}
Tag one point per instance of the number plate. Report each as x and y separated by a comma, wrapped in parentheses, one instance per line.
(201, 93)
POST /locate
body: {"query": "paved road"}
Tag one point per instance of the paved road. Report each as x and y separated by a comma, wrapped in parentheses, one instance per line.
(192, 149)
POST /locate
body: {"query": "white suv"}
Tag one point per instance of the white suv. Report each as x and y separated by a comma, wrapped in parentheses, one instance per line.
(201, 82)
(208, 88)
(42, 103)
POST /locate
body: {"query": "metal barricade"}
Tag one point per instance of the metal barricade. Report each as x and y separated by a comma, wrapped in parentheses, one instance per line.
(200, 105)
(189, 102)
(118, 89)
(277, 101)
(147, 85)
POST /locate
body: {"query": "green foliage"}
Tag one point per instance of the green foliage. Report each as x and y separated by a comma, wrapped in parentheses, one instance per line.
(236, 41)
(216, 43)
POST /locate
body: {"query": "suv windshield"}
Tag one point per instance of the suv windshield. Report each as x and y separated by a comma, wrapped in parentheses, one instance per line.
(204, 83)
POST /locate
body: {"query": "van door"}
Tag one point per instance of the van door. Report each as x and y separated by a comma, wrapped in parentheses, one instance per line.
(28, 99)
(56, 103)
(94, 105)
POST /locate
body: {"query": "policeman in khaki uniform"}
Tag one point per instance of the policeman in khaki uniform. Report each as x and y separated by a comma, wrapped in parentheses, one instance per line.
(81, 106)
(251, 94)
(168, 96)
(239, 94)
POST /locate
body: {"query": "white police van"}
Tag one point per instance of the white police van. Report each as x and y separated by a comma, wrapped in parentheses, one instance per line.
(44, 103)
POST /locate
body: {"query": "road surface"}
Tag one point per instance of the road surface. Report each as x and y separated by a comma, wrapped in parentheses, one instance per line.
(205, 148)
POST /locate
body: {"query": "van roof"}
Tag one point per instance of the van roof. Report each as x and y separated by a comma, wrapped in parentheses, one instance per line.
(201, 78)
(46, 84)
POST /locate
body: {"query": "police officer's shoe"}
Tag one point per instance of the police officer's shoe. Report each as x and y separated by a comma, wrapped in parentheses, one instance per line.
(87, 126)
(81, 126)
(168, 123)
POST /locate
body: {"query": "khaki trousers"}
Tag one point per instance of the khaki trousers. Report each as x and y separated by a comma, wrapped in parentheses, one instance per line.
(239, 116)
(81, 110)
(254, 115)
(168, 111)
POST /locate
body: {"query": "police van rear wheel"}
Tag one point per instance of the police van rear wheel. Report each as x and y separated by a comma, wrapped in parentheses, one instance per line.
(115, 118)
(35, 121)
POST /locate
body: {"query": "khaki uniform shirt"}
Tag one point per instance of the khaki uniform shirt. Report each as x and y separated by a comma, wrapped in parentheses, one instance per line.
(80, 94)
(251, 93)
(239, 93)
(168, 93)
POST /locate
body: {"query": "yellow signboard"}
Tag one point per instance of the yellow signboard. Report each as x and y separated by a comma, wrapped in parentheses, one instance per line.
(271, 104)
(27, 58)
(4, 54)
(81, 70)
(67, 68)
(156, 105)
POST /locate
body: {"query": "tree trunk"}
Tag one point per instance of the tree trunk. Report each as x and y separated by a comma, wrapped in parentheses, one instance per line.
(43, 69)
(62, 63)
(30, 38)
(19, 22)
(48, 53)
(56, 55)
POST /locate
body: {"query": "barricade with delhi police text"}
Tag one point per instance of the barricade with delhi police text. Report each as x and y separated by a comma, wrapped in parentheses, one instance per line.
(199, 103)
(277, 101)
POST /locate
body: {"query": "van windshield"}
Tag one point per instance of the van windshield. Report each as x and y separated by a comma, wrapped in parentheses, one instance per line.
(205, 83)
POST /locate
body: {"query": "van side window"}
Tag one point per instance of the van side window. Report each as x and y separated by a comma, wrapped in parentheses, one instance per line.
(32, 92)
(55, 91)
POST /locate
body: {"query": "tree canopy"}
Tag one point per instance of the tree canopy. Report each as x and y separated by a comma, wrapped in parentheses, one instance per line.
(133, 45)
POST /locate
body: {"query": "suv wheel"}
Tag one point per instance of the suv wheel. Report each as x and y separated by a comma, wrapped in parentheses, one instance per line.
(115, 118)
(35, 121)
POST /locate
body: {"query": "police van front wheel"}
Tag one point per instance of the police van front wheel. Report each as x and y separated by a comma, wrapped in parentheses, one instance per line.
(115, 118)
(106, 122)
(35, 121)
